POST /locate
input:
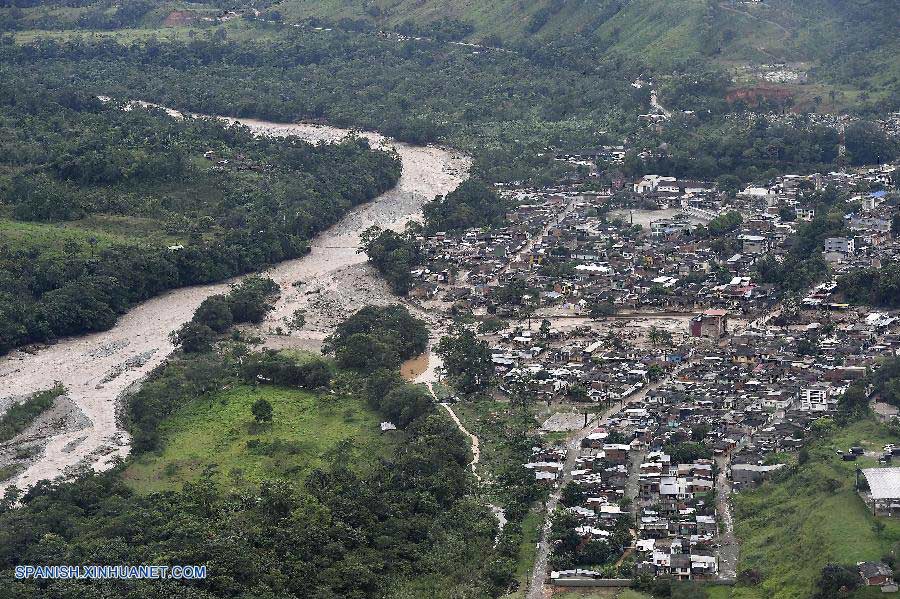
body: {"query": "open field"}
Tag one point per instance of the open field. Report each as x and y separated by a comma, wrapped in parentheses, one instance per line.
(218, 435)
(104, 230)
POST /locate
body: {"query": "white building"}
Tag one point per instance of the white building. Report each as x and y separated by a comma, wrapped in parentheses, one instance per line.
(650, 183)
(839, 245)
(817, 398)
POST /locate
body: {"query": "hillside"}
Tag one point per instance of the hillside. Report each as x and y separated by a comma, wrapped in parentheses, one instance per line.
(844, 42)
(844, 50)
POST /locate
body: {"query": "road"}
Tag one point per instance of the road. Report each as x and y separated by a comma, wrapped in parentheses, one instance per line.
(654, 102)
(730, 547)
(476, 450)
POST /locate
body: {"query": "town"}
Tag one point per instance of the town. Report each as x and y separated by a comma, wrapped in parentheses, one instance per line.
(665, 366)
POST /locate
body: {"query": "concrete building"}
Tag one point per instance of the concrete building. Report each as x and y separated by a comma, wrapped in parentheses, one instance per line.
(712, 324)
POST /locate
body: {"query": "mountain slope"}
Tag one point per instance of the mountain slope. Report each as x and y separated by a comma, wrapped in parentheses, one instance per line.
(854, 39)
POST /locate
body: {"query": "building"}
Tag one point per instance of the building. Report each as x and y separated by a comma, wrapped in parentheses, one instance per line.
(877, 574)
(712, 324)
(748, 475)
(651, 183)
(839, 245)
(753, 244)
(817, 398)
(884, 488)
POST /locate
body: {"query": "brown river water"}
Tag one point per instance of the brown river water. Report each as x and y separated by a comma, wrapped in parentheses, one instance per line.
(328, 283)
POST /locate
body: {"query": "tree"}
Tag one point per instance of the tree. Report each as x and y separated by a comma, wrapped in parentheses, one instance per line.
(868, 144)
(599, 309)
(578, 392)
(686, 453)
(853, 404)
(473, 204)
(193, 337)
(250, 300)
(787, 214)
(836, 581)
(406, 403)
(215, 313)
(729, 185)
(467, 360)
(544, 331)
(390, 329)
(573, 494)
(393, 254)
(262, 411)
(659, 336)
(365, 352)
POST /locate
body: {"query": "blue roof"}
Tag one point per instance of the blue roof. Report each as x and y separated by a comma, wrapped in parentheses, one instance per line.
(878, 194)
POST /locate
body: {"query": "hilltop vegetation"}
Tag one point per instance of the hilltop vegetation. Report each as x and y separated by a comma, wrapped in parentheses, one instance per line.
(847, 45)
(851, 40)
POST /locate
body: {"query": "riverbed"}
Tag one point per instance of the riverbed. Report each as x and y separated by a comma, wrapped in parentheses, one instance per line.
(330, 282)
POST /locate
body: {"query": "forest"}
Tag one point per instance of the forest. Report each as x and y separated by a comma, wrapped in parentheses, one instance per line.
(103, 207)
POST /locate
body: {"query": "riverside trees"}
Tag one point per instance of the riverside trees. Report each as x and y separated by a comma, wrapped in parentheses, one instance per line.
(114, 206)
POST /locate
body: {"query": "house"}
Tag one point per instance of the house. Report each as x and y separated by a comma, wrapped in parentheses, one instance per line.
(877, 574)
(650, 183)
(753, 244)
(748, 475)
(841, 246)
(817, 398)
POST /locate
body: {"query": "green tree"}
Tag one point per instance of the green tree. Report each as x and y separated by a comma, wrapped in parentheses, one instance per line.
(467, 360)
(262, 411)
(215, 313)
(193, 337)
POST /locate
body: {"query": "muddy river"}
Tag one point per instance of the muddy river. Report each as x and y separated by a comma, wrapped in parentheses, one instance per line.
(328, 283)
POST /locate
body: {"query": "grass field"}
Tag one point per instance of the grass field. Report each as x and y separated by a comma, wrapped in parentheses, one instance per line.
(219, 435)
(531, 533)
(104, 230)
(790, 529)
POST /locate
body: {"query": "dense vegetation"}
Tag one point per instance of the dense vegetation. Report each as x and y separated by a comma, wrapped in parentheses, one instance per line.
(810, 518)
(873, 286)
(506, 108)
(148, 203)
(467, 360)
(804, 265)
(404, 527)
(704, 148)
(246, 302)
(417, 91)
(394, 255)
(473, 204)
(377, 337)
